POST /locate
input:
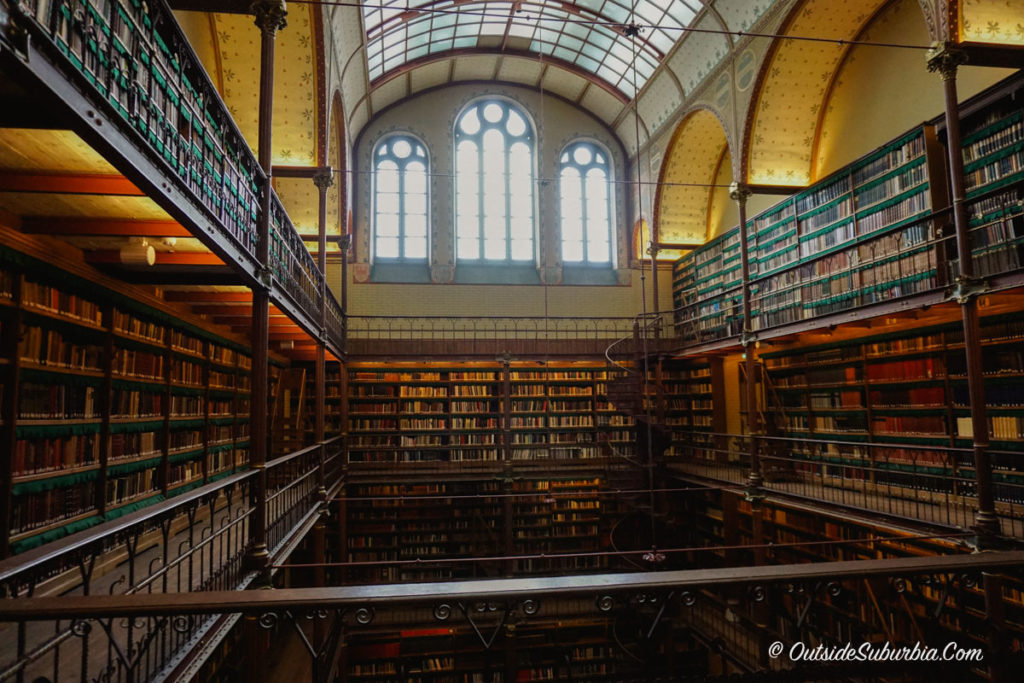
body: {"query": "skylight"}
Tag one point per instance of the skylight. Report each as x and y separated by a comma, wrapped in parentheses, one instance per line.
(585, 34)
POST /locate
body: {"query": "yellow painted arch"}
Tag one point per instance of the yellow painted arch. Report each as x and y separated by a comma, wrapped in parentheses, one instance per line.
(689, 169)
(792, 87)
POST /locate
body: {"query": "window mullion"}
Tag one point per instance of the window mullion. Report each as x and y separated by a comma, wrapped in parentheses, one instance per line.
(583, 215)
(508, 198)
(401, 210)
(480, 196)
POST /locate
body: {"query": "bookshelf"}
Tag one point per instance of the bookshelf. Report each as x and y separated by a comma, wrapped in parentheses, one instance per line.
(860, 236)
(691, 407)
(992, 142)
(483, 412)
(903, 388)
(108, 403)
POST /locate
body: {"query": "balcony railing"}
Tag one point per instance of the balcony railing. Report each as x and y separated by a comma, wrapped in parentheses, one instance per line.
(932, 484)
(195, 542)
(132, 60)
(524, 328)
(804, 600)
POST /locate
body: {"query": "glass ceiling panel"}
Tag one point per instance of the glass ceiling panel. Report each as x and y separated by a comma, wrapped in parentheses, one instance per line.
(584, 33)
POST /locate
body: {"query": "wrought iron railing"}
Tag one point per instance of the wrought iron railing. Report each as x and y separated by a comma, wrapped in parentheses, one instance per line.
(805, 600)
(525, 328)
(932, 484)
(291, 264)
(195, 542)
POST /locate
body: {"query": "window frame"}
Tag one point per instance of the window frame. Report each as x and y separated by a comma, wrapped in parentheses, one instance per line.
(375, 159)
(609, 170)
(530, 138)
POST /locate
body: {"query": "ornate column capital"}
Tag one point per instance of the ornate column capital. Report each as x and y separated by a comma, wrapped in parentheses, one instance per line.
(270, 15)
(323, 179)
(945, 58)
(739, 191)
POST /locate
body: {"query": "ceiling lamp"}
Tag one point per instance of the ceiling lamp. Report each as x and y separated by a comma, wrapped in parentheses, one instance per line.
(138, 254)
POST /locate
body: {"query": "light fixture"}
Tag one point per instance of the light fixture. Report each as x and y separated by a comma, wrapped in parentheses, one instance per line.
(138, 254)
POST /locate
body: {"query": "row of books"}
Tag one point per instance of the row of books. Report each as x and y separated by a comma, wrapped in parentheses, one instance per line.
(43, 508)
(135, 403)
(56, 401)
(140, 364)
(49, 454)
(52, 348)
(998, 169)
(1012, 131)
(1000, 427)
(908, 151)
(66, 304)
(127, 487)
(135, 445)
(128, 324)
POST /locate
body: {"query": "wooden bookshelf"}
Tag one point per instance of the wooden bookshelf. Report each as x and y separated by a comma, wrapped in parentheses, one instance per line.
(108, 403)
(483, 412)
(905, 388)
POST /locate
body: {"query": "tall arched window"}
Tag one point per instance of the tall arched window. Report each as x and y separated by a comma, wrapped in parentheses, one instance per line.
(494, 183)
(400, 168)
(584, 175)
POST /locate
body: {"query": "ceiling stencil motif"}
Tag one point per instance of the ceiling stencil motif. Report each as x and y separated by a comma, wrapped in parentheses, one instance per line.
(796, 81)
(692, 163)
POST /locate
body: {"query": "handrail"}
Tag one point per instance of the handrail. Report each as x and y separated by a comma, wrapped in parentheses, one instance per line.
(30, 559)
(277, 462)
(835, 442)
(391, 595)
(13, 566)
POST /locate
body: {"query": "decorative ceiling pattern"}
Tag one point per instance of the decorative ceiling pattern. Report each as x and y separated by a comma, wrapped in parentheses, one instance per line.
(698, 55)
(988, 21)
(584, 34)
(740, 15)
(295, 87)
(796, 79)
(692, 159)
(660, 100)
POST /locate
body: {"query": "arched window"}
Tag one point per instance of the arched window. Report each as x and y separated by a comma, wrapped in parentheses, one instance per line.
(584, 176)
(400, 168)
(494, 183)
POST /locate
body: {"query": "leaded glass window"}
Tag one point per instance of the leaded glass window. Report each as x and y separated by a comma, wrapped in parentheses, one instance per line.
(400, 171)
(584, 176)
(494, 170)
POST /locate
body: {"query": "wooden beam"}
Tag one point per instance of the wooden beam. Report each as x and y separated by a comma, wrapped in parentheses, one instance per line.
(232, 310)
(300, 171)
(66, 183)
(10, 221)
(193, 297)
(107, 256)
(104, 227)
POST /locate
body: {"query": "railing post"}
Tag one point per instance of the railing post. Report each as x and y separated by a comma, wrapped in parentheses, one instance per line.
(270, 17)
(323, 181)
(739, 193)
(945, 59)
